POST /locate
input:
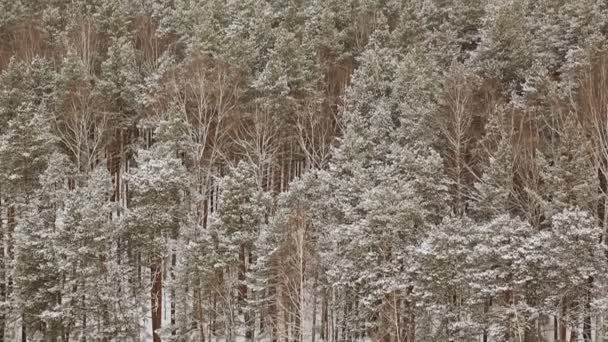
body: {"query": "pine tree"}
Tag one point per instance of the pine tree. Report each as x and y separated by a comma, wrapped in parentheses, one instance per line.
(157, 188)
(388, 188)
(25, 144)
(572, 248)
(234, 229)
(39, 268)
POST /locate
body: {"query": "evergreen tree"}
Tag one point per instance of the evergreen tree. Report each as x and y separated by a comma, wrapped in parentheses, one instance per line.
(234, 230)
(157, 188)
(39, 268)
(388, 191)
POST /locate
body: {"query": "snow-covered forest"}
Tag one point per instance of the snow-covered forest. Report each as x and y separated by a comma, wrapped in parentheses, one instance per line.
(304, 170)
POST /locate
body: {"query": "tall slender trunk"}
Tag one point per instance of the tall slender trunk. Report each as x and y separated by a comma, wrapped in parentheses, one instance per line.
(23, 329)
(198, 295)
(324, 317)
(334, 317)
(8, 281)
(530, 328)
(84, 318)
(262, 311)
(219, 279)
(298, 307)
(173, 264)
(509, 302)
(344, 315)
(286, 319)
(587, 318)
(397, 315)
(2, 277)
(486, 308)
(555, 328)
(573, 334)
(156, 298)
(242, 302)
(411, 329)
(10, 220)
(562, 325)
(273, 312)
(249, 315)
(314, 311)
(297, 323)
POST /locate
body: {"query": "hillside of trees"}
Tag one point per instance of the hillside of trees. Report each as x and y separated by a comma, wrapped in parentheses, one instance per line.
(307, 170)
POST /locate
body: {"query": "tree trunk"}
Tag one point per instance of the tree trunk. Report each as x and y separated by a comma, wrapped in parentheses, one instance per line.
(486, 308)
(84, 317)
(9, 240)
(297, 324)
(7, 281)
(173, 263)
(397, 315)
(555, 328)
(587, 318)
(250, 315)
(314, 312)
(334, 317)
(509, 302)
(243, 291)
(273, 312)
(199, 311)
(573, 334)
(345, 313)
(214, 314)
(285, 315)
(2, 278)
(241, 277)
(23, 330)
(562, 325)
(156, 298)
(412, 327)
(324, 317)
(562, 332)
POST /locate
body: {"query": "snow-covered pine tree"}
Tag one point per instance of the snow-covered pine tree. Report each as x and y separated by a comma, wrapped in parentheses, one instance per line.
(234, 229)
(25, 144)
(390, 191)
(38, 267)
(96, 300)
(157, 186)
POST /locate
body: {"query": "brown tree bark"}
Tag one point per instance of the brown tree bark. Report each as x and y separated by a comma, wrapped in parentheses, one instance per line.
(2, 278)
(10, 220)
(587, 318)
(286, 320)
(509, 302)
(412, 327)
(562, 325)
(173, 264)
(273, 312)
(23, 330)
(84, 316)
(156, 298)
(7, 281)
(242, 285)
(344, 315)
(486, 308)
(249, 317)
(198, 311)
(314, 312)
(573, 334)
(324, 317)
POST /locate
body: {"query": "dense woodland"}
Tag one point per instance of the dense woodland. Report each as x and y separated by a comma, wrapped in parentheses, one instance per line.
(306, 170)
